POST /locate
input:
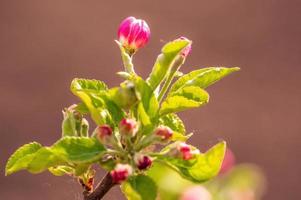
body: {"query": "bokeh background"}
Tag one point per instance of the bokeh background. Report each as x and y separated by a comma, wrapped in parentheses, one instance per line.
(44, 44)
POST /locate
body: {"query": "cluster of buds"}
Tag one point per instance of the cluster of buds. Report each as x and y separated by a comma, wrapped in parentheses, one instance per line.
(183, 151)
(121, 173)
(133, 34)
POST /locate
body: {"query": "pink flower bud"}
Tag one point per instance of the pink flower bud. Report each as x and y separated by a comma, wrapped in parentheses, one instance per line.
(164, 133)
(121, 172)
(104, 134)
(183, 151)
(128, 127)
(187, 49)
(133, 33)
(143, 161)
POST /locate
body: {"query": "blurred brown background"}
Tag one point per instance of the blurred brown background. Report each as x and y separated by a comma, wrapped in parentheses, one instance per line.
(44, 44)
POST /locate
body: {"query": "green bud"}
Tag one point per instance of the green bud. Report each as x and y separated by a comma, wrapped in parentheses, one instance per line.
(125, 96)
(72, 122)
(69, 123)
(84, 131)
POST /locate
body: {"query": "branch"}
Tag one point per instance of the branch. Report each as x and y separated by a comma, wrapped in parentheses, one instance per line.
(101, 189)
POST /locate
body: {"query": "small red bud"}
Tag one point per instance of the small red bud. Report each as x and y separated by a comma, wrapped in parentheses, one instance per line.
(104, 133)
(164, 133)
(184, 151)
(128, 127)
(121, 173)
(143, 161)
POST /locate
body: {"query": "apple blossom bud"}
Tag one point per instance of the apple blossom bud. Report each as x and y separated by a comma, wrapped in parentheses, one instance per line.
(121, 172)
(128, 127)
(133, 34)
(164, 133)
(183, 151)
(143, 161)
(125, 96)
(104, 134)
(187, 49)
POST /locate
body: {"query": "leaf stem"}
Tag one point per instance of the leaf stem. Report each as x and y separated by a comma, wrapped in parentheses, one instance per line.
(174, 68)
(165, 86)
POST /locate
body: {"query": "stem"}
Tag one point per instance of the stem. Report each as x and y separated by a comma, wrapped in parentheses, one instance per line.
(174, 68)
(101, 189)
(165, 86)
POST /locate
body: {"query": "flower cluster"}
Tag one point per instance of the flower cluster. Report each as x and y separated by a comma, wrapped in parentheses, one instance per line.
(137, 126)
(127, 141)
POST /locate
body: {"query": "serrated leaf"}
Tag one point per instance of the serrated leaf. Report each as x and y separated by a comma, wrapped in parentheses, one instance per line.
(21, 157)
(43, 159)
(140, 187)
(88, 85)
(96, 98)
(174, 122)
(202, 78)
(148, 106)
(176, 136)
(68, 150)
(61, 170)
(204, 167)
(78, 149)
(185, 98)
(165, 60)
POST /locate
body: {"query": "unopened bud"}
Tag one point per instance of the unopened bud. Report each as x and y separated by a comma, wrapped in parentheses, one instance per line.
(104, 134)
(125, 96)
(128, 127)
(71, 124)
(143, 161)
(184, 151)
(121, 173)
(133, 34)
(164, 133)
(84, 131)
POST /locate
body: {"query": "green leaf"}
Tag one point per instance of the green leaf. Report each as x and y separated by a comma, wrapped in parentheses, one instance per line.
(61, 170)
(202, 78)
(78, 149)
(148, 106)
(165, 60)
(21, 157)
(140, 187)
(176, 136)
(185, 98)
(86, 85)
(68, 150)
(44, 159)
(96, 98)
(174, 122)
(204, 167)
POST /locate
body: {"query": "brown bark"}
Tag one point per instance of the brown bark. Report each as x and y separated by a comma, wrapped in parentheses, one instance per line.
(101, 189)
